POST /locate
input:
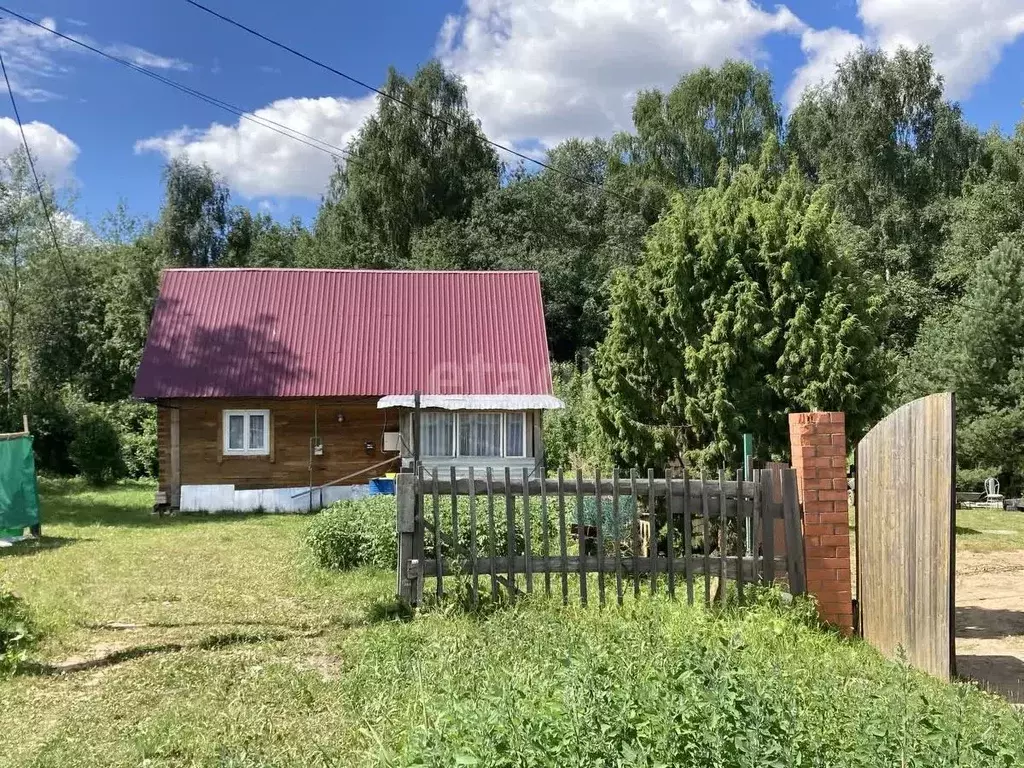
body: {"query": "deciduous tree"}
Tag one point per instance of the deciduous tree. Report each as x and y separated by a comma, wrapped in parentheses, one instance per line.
(882, 134)
(413, 163)
(977, 350)
(194, 219)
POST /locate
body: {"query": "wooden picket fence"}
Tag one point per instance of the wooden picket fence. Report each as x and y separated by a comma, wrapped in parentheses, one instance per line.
(627, 533)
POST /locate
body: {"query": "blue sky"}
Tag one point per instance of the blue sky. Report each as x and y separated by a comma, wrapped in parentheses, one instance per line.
(537, 71)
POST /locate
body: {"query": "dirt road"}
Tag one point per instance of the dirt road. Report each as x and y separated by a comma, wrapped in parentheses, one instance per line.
(990, 620)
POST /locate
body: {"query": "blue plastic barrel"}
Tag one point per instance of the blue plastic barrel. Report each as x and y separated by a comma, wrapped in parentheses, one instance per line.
(382, 486)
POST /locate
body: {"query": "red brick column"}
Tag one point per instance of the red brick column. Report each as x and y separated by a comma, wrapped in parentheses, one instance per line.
(818, 443)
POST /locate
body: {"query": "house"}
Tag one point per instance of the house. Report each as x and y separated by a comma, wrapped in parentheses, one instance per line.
(270, 383)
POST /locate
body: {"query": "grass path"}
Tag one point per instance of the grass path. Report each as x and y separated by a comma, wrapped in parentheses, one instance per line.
(106, 560)
(234, 593)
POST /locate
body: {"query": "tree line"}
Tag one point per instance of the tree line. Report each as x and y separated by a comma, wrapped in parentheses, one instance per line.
(719, 264)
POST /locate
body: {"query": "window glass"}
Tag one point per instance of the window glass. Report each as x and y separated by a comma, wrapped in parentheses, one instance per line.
(437, 427)
(236, 432)
(514, 428)
(480, 434)
(246, 433)
(257, 432)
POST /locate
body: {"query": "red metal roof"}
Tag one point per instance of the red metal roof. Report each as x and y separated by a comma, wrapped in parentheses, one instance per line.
(325, 332)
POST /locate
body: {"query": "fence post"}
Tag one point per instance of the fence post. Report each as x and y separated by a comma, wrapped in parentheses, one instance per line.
(410, 581)
(818, 443)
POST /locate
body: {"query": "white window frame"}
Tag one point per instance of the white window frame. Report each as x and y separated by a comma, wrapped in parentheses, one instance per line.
(247, 450)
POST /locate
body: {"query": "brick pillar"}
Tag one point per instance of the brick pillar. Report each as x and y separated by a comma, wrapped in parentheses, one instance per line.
(818, 443)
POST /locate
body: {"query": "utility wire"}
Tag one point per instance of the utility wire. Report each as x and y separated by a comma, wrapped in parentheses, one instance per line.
(32, 166)
(426, 113)
(339, 153)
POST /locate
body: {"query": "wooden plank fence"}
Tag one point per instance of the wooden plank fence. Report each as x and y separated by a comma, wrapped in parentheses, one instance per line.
(636, 533)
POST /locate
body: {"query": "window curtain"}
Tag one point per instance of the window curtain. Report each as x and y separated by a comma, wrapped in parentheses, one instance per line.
(257, 432)
(515, 426)
(480, 434)
(436, 439)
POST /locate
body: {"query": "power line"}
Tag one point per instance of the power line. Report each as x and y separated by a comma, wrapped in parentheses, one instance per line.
(426, 113)
(339, 153)
(32, 165)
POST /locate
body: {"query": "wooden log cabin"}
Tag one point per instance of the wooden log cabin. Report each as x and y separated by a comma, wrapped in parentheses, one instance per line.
(287, 389)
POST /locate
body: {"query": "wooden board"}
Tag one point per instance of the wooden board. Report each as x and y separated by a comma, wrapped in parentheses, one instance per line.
(202, 460)
(905, 535)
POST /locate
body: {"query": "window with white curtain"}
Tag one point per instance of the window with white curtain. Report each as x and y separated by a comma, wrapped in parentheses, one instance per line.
(473, 434)
(438, 438)
(480, 434)
(247, 433)
(515, 434)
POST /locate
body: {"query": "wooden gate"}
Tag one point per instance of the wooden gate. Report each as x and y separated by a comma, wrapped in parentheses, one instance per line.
(609, 536)
(905, 499)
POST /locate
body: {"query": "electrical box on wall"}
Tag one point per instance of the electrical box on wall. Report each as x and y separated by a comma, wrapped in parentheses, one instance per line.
(391, 443)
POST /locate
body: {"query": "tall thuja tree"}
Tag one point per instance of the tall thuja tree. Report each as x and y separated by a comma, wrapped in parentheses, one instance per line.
(742, 310)
(976, 349)
(896, 151)
(419, 159)
(194, 217)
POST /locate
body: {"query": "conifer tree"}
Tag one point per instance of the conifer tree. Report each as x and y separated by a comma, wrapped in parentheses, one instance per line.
(742, 310)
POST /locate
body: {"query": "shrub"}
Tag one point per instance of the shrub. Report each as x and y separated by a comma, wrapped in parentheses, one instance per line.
(96, 448)
(17, 635)
(52, 425)
(573, 435)
(136, 427)
(352, 533)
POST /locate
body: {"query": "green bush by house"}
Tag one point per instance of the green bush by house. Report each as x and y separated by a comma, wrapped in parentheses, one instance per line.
(352, 533)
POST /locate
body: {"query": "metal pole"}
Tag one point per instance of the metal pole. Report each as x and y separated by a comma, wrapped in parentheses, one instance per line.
(748, 474)
(416, 433)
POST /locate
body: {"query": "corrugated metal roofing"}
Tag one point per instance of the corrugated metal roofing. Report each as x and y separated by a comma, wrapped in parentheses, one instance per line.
(324, 333)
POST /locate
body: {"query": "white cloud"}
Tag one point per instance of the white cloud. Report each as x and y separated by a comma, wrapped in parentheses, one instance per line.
(53, 152)
(550, 69)
(143, 58)
(35, 58)
(824, 48)
(967, 39)
(257, 162)
(967, 36)
(73, 231)
(539, 71)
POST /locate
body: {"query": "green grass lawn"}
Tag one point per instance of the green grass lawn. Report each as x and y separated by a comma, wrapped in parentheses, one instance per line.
(989, 530)
(979, 530)
(242, 653)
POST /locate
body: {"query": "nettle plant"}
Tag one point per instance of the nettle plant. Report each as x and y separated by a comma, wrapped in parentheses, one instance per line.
(17, 633)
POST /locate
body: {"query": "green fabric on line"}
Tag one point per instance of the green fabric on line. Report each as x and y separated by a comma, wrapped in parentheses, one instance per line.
(19, 499)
